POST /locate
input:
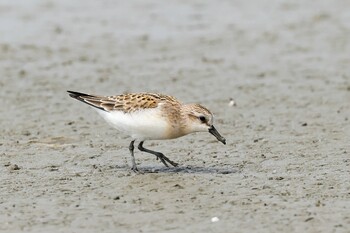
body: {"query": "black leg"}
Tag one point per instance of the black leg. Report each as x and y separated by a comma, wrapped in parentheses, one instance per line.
(159, 155)
(131, 149)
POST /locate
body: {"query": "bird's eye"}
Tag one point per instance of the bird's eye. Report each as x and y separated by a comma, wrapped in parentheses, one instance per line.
(202, 119)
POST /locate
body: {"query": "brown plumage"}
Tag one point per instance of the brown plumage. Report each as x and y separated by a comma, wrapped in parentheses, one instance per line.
(126, 102)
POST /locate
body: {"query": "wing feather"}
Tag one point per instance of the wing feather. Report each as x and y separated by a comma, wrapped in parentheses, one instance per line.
(126, 103)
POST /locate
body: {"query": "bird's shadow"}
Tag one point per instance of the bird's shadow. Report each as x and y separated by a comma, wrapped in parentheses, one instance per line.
(183, 169)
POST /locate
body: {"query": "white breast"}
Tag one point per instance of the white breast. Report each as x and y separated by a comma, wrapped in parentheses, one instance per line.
(143, 125)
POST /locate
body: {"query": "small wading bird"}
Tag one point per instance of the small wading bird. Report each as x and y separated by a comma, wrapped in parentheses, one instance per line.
(148, 116)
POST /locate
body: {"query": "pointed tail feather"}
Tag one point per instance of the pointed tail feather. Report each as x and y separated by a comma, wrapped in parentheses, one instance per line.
(85, 98)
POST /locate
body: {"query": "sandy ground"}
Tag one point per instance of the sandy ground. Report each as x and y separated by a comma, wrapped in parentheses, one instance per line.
(285, 167)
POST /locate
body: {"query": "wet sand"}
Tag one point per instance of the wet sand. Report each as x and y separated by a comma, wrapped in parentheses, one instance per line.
(285, 167)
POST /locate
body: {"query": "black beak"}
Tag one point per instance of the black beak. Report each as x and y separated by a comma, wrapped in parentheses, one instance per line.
(214, 132)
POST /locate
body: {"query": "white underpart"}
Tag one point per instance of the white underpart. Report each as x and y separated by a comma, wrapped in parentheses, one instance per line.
(142, 125)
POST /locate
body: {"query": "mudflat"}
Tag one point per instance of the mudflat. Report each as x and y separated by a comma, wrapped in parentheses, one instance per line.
(286, 164)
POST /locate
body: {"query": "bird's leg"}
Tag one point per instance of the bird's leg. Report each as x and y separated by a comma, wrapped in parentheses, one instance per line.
(159, 155)
(131, 149)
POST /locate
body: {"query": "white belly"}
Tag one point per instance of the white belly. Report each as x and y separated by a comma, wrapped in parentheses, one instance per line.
(142, 125)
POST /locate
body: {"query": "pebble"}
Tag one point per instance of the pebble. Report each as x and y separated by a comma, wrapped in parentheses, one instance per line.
(232, 102)
(14, 167)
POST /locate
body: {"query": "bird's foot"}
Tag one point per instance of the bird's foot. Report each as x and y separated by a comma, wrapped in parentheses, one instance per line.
(165, 159)
(135, 169)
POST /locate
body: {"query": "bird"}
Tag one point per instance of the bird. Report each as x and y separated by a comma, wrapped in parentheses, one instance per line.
(150, 116)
